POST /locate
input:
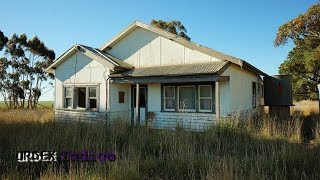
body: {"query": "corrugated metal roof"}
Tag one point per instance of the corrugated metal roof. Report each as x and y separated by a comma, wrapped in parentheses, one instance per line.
(175, 70)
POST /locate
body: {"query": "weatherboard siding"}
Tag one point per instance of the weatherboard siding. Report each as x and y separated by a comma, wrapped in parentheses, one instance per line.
(80, 69)
(240, 89)
(193, 121)
(142, 48)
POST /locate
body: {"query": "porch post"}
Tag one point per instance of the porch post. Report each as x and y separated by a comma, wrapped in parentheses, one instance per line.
(217, 97)
(137, 104)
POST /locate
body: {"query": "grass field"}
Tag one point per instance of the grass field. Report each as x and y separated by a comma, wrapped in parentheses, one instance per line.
(257, 148)
(47, 104)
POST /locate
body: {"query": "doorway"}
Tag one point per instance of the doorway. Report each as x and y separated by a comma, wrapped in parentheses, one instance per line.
(143, 105)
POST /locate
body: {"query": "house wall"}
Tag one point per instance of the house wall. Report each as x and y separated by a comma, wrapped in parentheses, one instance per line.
(142, 48)
(240, 88)
(80, 69)
(225, 109)
(114, 90)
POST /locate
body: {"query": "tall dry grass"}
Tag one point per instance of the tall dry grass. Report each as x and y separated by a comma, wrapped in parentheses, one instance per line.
(305, 107)
(257, 148)
(42, 115)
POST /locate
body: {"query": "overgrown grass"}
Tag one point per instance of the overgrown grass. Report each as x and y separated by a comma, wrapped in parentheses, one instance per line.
(258, 147)
(306, 107)
(46, 104)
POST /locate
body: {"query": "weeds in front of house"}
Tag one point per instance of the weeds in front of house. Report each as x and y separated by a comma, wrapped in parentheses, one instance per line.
(259, 147)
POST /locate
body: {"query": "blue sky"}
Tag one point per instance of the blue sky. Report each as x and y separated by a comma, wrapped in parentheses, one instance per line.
(244, 29)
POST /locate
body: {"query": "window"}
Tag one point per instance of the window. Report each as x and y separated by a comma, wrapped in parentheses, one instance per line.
(254, 94)
(205, 98)
(187, 98)
(68, 97)
(169, 98)
(81, 97)
(92, 97)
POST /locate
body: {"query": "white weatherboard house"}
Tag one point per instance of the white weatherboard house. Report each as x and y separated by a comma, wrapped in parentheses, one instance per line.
(173, 81)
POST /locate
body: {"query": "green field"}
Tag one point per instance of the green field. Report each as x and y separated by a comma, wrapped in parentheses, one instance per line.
(48, 104)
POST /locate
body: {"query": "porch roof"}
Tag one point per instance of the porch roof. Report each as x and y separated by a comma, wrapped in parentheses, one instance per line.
(177, 73)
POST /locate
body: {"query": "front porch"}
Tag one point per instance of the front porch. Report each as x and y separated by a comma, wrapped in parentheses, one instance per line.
(168, 98)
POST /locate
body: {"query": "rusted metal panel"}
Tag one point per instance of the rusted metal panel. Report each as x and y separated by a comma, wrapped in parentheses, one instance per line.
(278, 90)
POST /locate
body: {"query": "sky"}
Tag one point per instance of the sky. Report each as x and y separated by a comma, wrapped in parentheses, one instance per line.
(245, 29)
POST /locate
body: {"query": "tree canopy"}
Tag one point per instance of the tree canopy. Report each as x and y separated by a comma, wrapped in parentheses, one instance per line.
(22, 69)
(175, 27)
(303, 61)
(307, 24)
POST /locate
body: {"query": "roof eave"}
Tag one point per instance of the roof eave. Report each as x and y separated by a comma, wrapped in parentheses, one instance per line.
(253, 69)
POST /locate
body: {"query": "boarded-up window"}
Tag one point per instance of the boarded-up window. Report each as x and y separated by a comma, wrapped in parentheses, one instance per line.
(121, 97)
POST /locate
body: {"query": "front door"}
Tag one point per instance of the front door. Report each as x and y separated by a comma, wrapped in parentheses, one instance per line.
(142, 103)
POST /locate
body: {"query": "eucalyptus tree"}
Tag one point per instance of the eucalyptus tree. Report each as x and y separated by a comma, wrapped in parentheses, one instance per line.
(22, 70)
(175, 27)
(303, 61)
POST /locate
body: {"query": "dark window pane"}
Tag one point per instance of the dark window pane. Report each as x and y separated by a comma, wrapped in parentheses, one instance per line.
(205, 91)
(205, 104)
(81, 97)
(93, 103)
(68, 103)
(187, 98)
(169, 91)
(169, 104)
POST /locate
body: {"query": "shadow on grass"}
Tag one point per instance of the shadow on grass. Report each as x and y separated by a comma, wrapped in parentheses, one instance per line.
(223, 151)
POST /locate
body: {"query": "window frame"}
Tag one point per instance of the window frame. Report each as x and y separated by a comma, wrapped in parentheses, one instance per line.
(65, 97)
(87, 98)
(199, 98)
(195, 98)
(164, 98)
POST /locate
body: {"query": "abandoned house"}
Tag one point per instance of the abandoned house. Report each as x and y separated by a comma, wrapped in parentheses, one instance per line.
(148, 75)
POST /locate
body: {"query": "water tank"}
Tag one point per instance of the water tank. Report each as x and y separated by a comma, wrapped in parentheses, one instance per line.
(278, 90)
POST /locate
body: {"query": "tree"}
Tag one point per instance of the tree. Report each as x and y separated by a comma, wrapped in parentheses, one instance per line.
(303, 61)
(174, 27)
(22, 71)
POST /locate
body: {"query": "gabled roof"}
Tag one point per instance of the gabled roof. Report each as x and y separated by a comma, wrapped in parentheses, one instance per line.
(102, 57)
(215, 67)
(182, 41)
